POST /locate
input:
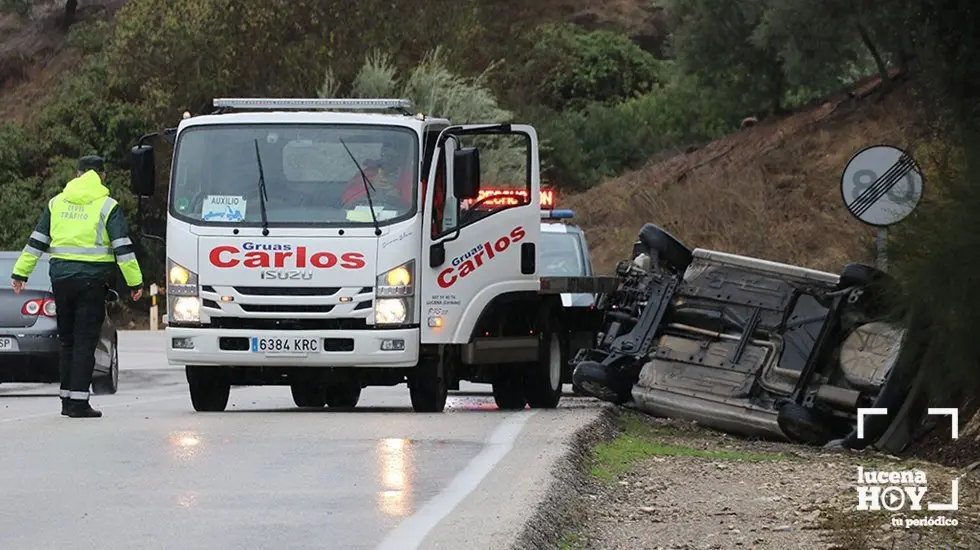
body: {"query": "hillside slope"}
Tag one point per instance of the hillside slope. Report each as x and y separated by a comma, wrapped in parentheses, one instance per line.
(770, 190)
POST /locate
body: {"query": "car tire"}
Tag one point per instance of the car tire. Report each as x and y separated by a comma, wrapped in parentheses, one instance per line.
(108, 384)
(209, 388)
(428, 386)
(344, 395)
(666, 249)
(602, 382)
(542, 381)
(508, 386)
(309, 396)
(802, 425)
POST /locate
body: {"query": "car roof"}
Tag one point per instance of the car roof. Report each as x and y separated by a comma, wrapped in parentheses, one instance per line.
(560, 228)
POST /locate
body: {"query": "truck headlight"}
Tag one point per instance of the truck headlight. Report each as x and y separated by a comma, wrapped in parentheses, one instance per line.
(398, 281)
(185, 309)
(390, 311)
(180, 280)
(183, 294)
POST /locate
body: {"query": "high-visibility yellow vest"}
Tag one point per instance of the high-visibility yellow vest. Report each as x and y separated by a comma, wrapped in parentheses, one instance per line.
(78, 231)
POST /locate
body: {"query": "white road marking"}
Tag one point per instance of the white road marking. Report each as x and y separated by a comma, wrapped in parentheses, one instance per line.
(412, 531)
(107, 406)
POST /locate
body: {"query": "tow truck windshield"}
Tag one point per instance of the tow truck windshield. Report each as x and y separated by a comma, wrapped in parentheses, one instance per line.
(309, 176)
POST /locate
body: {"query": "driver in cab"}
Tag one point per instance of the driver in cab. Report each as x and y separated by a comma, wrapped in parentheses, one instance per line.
(391, 176)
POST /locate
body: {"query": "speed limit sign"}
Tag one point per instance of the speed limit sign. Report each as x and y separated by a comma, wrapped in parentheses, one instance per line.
(881, 185)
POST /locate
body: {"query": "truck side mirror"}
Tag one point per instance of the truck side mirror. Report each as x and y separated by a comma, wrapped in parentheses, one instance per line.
(142, 171)
(466, 173)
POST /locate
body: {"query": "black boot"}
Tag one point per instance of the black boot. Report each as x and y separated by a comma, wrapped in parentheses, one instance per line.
(64, 406)
(82, 409)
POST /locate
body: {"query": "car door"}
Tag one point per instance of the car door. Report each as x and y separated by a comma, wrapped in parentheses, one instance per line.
(478, 247)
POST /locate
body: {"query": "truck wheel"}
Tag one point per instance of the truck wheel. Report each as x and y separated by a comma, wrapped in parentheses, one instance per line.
(428, 386)
(208, 387)
(309, 396)
(508, 386)
(542, 381)
(344, 395)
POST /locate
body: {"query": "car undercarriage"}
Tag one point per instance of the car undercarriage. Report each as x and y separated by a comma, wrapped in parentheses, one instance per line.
(744, 345)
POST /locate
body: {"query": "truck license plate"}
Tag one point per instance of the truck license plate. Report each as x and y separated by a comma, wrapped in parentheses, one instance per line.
(285, 345)
(8, 344)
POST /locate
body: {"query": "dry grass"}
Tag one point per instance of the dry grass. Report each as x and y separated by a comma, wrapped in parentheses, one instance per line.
(770, 191)
(34, 58)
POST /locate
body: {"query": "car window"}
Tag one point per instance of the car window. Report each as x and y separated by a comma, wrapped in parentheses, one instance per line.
(39, 279)
(561, 255)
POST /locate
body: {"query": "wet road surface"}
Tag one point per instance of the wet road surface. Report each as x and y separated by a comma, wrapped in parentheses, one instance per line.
(152, 473)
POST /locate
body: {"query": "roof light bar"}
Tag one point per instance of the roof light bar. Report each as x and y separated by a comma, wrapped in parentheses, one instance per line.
(329, 104)
(557, 214)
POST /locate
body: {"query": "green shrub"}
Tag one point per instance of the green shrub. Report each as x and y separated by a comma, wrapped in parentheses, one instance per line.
(573, 67)
(16, 7)
(439, 92)
(583, 147)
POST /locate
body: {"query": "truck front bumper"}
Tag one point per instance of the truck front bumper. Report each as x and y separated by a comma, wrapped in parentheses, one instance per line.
(337, 348)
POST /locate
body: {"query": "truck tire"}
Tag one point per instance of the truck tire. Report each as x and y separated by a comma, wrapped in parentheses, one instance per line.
(508, 386)
(344, 395)
(428, 385)
(309, 395)
(208, 387)
(663, 247)
(542, 381)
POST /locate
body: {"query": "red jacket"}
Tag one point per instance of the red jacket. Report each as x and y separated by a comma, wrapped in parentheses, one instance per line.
(355, 187)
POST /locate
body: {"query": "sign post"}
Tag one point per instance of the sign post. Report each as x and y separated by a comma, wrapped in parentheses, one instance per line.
(153, 307)
(881, 185)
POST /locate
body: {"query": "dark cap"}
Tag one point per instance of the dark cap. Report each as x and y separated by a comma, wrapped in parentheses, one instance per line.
(91, 162)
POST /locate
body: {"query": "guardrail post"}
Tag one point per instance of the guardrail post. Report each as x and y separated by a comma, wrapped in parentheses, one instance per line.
(154, 312)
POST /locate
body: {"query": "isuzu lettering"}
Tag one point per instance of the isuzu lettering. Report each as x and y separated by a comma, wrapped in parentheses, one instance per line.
(330, 245)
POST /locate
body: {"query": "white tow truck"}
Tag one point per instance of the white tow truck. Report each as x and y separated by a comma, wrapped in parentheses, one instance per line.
(306, 247)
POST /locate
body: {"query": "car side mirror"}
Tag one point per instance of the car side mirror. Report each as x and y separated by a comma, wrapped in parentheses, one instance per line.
(142, 170)
(111, 296)
(466, 173)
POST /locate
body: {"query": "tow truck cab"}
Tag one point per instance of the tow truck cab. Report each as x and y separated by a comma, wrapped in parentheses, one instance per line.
(329, 250)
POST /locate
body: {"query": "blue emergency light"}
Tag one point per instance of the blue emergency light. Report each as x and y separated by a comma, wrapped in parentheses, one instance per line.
(557, 214)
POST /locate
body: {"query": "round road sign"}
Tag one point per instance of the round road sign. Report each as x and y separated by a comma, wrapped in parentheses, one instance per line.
(881, 185)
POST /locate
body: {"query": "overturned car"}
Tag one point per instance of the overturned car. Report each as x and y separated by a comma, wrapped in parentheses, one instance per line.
(746, 345)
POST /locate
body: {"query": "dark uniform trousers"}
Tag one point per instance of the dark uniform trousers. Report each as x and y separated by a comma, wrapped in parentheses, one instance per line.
(81, 311)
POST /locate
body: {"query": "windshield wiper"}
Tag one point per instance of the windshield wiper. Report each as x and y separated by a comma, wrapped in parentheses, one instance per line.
(263, 194)
(367, 190)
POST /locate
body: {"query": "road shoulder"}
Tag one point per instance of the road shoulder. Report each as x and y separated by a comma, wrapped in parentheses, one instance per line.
(525, 502)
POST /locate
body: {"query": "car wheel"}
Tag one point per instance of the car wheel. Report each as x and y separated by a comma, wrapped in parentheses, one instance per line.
(602, 382)
(803, 425)
(309, 396)
(208, 387)
(108, 384)
(668, 251)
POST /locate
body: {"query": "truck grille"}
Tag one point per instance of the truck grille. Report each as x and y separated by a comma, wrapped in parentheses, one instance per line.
(287, 290)
(340, 323)
(286, 308)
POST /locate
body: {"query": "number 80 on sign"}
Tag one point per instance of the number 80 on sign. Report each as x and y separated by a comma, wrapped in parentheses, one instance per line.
(881, 185)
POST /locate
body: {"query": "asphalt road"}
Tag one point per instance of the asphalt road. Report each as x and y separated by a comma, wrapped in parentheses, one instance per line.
(152, 473)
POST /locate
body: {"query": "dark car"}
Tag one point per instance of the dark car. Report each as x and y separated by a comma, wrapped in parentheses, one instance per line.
(29, 342)
(747, 345)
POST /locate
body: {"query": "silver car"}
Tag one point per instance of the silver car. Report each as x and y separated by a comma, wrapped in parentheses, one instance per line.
(29, 342)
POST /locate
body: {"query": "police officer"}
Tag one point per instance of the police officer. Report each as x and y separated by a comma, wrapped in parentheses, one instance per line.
(86, 234)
